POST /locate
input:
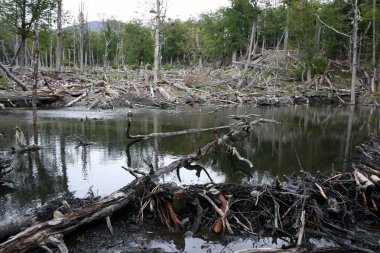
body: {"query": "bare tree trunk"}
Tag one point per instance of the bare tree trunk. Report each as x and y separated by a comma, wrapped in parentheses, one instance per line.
(58, 49)
(36, 55)
(374, 81)
(252, 43)
(252, 40)
(50, 44)
(308, 72)
(81, 36)
(105, 59)
(22, 54)
(264, 29)
(318, 34)
(354, 39)
(234, 55)
(199, 51)
(146, 76)
(74, 45)
(6, 57)
(286, 36)
(157, 43)
(16, 49)
(89, 49)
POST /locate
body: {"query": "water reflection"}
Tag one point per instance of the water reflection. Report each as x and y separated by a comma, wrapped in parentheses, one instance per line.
(322, 137)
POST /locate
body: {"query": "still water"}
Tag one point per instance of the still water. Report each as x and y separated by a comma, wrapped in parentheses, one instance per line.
(321, 137)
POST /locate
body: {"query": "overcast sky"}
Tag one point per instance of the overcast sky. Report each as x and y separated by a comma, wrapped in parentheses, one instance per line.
(126, 10)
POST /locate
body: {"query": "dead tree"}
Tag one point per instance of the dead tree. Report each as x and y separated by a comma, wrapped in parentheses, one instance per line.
(354, 39)
(81, 35)
(157, 44)
(375, 80)
(58, 51)
(13, 77)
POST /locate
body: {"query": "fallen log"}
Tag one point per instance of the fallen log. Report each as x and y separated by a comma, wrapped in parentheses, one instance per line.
(77, 99)
(167, 134)
(13, 77)
(26, 100)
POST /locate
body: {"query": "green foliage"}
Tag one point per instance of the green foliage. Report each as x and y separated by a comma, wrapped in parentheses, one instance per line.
(214, 36)
(138, 43)
(4, 82)
(319, 65)
(81, 238)
(178, 40)
(133, 67)
(298, 72)
(167, 67)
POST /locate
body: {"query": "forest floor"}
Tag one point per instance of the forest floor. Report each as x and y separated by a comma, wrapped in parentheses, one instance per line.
(269, 80)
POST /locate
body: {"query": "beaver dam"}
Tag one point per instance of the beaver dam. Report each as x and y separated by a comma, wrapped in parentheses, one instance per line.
(334, 210)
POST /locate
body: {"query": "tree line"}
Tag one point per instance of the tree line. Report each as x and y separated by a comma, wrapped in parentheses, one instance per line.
(313, 30)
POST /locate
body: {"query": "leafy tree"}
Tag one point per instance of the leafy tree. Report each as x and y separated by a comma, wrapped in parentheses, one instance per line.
(213, 35)
(138, 43)
(177, 41)
(302, 30)
(22, 14)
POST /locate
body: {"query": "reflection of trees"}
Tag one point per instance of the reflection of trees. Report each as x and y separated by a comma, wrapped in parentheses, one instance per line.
(62, 146)
(349, 132)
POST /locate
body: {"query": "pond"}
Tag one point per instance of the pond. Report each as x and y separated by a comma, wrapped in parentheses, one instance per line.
(309, 138)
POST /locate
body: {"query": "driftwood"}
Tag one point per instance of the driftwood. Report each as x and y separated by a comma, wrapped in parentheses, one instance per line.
(189, 92)
(234, 153)
(40, 233)
(165, 94)
(84, 94)
(13, 77)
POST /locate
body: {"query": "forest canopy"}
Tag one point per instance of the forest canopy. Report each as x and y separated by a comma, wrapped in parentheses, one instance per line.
(215, 36)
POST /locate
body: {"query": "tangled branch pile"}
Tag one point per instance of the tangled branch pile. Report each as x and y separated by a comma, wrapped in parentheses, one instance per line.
(341, 207)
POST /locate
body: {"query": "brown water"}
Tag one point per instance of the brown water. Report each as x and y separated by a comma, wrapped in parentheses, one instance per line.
(321, 137)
